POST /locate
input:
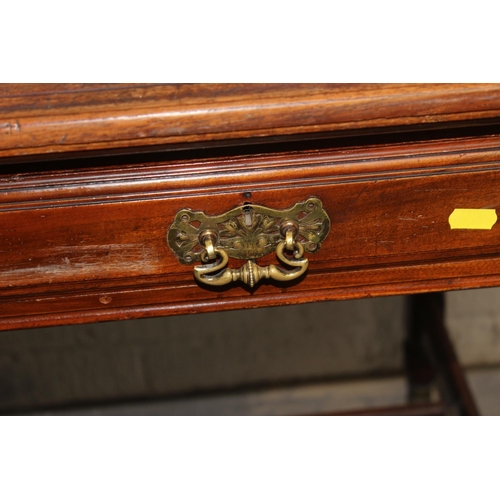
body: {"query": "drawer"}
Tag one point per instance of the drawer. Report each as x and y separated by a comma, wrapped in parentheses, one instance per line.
(90, 244)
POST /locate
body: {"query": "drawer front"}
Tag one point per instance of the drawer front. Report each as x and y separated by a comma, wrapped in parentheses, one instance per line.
(89, 245)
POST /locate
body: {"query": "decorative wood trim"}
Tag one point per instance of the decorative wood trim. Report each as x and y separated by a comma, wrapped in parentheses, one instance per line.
(44, 119)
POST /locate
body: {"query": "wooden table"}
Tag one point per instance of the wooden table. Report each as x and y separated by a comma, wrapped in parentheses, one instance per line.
(92, 177)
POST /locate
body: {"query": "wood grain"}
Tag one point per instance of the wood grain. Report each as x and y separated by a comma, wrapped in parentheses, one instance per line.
(89, 244)
(46, 119)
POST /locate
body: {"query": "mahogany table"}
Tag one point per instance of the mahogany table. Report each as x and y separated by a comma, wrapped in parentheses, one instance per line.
(129, 201)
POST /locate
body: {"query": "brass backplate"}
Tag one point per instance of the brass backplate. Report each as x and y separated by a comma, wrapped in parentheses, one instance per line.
(248, 231)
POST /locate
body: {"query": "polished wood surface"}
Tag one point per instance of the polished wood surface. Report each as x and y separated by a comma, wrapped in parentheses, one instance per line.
(41, 119)
(82, 241)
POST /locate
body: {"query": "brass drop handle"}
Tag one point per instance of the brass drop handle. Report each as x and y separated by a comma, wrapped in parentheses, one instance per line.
(251, 273)
(249, 232)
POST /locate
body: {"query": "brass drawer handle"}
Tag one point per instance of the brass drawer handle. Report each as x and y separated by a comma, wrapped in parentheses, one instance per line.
(249, 232)
(250, 273)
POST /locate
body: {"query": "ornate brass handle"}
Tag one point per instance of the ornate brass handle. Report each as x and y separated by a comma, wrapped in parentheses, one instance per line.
(249, 232)
(251, 272)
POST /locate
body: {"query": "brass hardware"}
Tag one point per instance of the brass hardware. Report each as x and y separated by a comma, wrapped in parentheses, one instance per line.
(208, 239)
(289, 240)
(232, 233)
(249, 232)
(251, 272)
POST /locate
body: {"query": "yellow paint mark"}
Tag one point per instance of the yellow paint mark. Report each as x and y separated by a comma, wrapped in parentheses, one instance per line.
(472, 218)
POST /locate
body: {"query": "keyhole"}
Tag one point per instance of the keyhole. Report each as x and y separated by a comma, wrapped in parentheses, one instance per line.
(248, 215)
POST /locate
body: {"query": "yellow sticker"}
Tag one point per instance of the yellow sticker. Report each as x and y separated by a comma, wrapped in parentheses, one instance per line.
(472, 218)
